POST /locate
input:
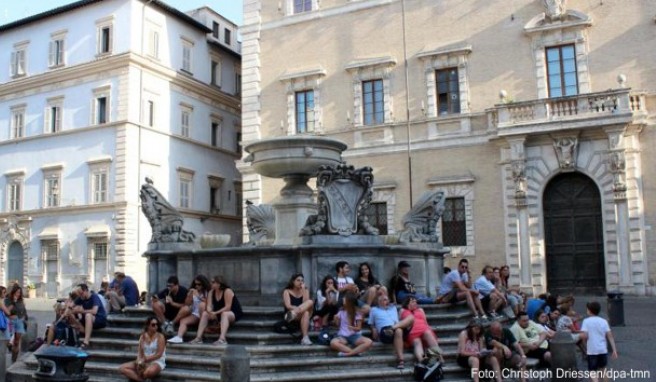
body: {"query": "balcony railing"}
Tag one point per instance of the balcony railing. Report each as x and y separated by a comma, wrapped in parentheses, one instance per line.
(564, 109)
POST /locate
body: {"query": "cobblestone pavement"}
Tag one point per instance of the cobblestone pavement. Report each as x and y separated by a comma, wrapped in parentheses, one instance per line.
(636, 341)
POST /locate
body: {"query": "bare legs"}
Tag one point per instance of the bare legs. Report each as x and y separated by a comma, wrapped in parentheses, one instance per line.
(340, 344)
(302, 314)
(473, 302)
(225, 319)
(129, 369)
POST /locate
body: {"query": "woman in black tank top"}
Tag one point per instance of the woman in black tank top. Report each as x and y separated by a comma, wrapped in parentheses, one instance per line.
(224, 309)
(298, 306)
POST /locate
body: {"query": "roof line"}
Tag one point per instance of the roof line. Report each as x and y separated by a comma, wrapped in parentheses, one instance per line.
(82, 3)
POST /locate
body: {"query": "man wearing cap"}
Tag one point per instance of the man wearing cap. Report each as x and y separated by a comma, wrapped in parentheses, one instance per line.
(403, 287)
(454, 288)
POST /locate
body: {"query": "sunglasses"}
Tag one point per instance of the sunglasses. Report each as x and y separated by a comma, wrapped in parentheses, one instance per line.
(170, 285)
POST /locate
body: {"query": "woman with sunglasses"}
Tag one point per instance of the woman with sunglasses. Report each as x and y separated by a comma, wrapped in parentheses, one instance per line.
(298, 305)
(151, 354)
(223, 311)
(189, 315)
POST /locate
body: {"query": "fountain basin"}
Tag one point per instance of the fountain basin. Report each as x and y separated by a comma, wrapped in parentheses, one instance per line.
(293, 155)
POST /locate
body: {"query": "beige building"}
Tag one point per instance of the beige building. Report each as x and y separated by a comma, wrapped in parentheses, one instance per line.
(535, 117)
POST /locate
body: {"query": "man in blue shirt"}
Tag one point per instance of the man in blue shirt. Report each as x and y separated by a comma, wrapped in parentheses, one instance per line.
(385, 325)
(89, 311)
(125, 292)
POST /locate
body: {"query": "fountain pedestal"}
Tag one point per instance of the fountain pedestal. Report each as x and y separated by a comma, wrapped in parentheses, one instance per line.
(292, 208)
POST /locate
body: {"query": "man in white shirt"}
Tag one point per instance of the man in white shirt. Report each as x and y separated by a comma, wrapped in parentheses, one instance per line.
(455, 288)
(596, 331)
(490, 296)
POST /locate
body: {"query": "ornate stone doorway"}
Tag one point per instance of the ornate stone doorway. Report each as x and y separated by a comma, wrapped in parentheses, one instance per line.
(15, 263)
(574, 235)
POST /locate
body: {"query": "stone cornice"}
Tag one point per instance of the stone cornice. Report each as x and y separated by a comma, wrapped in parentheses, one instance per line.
(116, 61)
(67, 210)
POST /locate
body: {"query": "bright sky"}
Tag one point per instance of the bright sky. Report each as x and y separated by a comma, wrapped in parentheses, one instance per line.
(12, 10)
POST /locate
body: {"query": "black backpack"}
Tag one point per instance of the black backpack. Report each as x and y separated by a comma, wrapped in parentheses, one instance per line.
(65, 334)
(427, 372)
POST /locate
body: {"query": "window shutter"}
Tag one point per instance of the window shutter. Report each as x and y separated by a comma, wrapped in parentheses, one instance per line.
(60, 48)
(14, 69)
(46, 120)
(52, 53)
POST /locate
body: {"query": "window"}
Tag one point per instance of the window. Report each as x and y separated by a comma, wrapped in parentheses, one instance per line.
(302, 6)
(105, 35)
(153, 44)
(454, 228)
(56, 53)
(237, 83)
(377, 216)
(100, 251)
(215, 133)
(53, 118)
(150, 113)
(561, 71)
(185, 120)
(186, 58)
(215, 29)
(304, 111)
(100, 108)
(448, 91)
(215, 184)
(372, 102)
(99, 186)
(215, 73)
(17, 122)
(226, 36)
(52, 190)
(238, 142)
(185, 179)
(14, 193)
(18, 65)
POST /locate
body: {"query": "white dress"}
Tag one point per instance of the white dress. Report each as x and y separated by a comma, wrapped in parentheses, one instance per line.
(150, 348)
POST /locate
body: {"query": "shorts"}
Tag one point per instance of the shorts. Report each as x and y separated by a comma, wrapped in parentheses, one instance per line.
(597, 361)
(538, 354)
(98, 323)
(463, 361)
(18, 325)
(384, 338)
(352, 339)
(448, 296)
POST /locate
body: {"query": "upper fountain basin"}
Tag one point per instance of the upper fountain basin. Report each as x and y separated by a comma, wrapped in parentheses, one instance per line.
(293, 155)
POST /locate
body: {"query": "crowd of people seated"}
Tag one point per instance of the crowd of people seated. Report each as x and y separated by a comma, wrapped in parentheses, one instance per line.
(350, 306)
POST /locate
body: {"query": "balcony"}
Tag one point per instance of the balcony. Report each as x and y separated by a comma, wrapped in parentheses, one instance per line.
(611, 107)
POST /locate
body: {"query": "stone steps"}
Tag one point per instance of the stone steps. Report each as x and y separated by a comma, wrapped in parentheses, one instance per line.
(274, 357)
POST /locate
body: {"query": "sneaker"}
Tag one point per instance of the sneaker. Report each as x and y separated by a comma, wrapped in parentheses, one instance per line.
(306, 341)
(175, 340)
(342, 354)
(169, 330)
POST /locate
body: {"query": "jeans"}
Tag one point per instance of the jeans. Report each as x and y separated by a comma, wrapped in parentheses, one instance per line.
(421, 299)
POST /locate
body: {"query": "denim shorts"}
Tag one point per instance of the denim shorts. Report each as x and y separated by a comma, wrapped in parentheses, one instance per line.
(352, 339)
(18, 325)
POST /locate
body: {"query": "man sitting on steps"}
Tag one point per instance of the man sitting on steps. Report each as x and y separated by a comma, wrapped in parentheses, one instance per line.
(167, 303)
(454, 288)
(385, 326)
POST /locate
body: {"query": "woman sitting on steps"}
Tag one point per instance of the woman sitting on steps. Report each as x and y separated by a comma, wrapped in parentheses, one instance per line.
(224, 309)
(298, 305)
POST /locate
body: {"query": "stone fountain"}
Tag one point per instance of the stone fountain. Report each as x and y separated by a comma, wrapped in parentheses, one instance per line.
(297, 233)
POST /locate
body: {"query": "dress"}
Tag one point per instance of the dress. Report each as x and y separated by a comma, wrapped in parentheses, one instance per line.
(419, 327)
(235, 308)
(195, 303)
(150, 348)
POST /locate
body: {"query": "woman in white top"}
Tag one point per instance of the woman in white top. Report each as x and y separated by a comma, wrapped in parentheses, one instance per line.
(151, 355)
(195, 306)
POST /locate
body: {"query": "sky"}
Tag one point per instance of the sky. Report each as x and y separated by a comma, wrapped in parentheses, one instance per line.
(12, 10)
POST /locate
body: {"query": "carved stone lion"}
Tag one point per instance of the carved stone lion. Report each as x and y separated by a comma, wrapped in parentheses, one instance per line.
(164, 219)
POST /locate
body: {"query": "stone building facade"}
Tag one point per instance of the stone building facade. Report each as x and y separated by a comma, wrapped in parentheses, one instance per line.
(97, 96)
(535, 117)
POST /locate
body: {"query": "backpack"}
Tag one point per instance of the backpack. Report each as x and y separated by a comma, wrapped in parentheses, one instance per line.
(325, 337)
(65, 334)
(427, 372)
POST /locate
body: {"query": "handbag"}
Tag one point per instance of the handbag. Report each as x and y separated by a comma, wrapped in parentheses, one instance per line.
(3, 321)
(424, 372)
(325, 337)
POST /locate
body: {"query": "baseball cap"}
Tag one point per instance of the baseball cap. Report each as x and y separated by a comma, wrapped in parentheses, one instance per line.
(403, 264)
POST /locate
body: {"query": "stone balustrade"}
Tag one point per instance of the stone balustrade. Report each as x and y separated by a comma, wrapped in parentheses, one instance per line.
(615, 103)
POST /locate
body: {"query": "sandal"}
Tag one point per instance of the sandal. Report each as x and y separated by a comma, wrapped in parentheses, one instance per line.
(84, 345)
(400, 364)
(220, 342)
(196, 341)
